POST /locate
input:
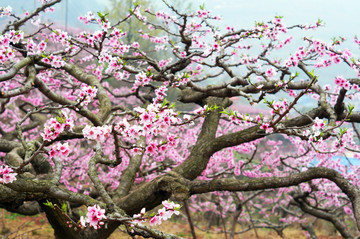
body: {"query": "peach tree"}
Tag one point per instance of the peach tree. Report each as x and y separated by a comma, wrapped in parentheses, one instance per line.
(95, 132)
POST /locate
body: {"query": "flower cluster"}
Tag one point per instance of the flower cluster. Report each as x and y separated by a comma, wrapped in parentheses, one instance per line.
(60, 36)
(164, 16)
(357, 41)
(160, 94)
(294, 59)
(93, 217)
(142, 79)
(6, 54)
(266, 126)
(6, 51)
(54, 61)
(278, 107)
(156, 118)
(181, 79)
(99, 133)
(7, 175)
(87, 18)
(87, 94)
(60, 149)
(340, 81)
(318, 126)
(55, 126)
(163, 214)
(5, 11)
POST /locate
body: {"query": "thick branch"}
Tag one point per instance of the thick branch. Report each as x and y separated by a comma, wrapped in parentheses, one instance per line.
(253, 184)
(300, 202)
(45, 189)
(201, 153)
(105, 103)
(62, 100)
(129, 175)
(15, 68)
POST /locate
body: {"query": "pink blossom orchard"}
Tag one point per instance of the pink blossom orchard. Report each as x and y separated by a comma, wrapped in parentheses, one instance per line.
(96, 132)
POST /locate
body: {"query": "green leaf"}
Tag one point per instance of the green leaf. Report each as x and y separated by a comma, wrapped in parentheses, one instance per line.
(343, 131)
(311, 73)
(224, 112)
(64, 207)
(350, 107)
(100, 14)
(49, 204)
(164, 103)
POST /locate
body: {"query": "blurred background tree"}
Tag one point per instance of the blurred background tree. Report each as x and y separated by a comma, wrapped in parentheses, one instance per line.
(121, 8)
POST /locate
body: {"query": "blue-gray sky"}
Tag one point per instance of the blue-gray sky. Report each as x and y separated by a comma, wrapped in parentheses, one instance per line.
(341, 17)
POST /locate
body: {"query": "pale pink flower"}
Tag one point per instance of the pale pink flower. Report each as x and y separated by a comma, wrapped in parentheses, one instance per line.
(7, 175)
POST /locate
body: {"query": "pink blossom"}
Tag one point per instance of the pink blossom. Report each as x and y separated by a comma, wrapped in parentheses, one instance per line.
(61, 150)
(99, 133)
(267, 128)
(5, 11)
(169, 205)
(270, 72)
(55, 126)
(152, 149)
(7, 175)
(155, 220)
(86, 94)
(93, 217)
(162, 63)
(347, 210)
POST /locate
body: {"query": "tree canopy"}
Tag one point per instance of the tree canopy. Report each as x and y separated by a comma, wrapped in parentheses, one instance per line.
(90, 136)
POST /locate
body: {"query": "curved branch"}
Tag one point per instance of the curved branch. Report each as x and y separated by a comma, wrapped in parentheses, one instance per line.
(129, 175)
(193, 166)
(38, 190)
(19, 23)
(16, 67)
(62, 100)
(253, 184)
(304, 206)
(104, 100)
